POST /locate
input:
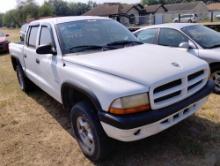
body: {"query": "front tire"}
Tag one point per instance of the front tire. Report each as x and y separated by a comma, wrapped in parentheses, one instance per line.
(88, 131)
(215, 76)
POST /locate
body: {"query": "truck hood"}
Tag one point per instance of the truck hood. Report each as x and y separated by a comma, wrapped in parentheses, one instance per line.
(144, 64)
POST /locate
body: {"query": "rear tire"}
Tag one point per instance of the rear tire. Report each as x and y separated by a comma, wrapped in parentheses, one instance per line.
(215, 76)
(88, 132)
(25, 84)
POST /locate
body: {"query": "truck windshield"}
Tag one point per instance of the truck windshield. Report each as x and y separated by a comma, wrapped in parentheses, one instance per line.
(204, 36)
(84, 35)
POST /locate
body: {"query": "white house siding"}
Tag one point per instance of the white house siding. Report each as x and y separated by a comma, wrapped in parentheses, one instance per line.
(135, 12)
(202, 11)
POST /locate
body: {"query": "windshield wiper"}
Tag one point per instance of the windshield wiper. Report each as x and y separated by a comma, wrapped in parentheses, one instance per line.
(214, 46)
(85, 48)
(124, 42)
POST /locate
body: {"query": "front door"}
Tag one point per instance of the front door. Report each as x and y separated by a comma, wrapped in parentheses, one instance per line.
(49, 64)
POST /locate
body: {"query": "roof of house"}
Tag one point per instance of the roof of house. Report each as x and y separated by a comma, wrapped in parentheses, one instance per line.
(182, 6)
(107, 9)
(152, 8)
(214, 6)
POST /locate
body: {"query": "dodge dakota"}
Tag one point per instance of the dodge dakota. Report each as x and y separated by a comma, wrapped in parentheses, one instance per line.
(113, 86)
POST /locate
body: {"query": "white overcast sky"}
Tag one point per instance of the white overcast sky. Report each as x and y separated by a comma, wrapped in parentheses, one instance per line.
(10, 4)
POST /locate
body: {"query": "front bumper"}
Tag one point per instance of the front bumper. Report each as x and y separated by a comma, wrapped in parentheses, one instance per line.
(141, 125)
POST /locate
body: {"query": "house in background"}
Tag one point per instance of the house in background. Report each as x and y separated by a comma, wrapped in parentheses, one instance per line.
(197, 7)
(214, 10)
(126, 14)
(170, 11)
(153, 9)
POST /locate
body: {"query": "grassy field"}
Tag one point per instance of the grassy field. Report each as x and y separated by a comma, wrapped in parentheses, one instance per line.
(34, 130)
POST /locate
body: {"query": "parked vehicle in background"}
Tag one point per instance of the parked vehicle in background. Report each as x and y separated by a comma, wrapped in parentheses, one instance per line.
(199, 40)
(4, 42)
(218, 16)
(23, 31)
(102, 75)
(186, 18)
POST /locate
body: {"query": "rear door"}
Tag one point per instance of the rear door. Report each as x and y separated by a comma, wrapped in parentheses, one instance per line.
(30, 56)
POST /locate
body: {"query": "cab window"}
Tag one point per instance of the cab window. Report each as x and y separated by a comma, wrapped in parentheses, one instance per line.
(45, 36)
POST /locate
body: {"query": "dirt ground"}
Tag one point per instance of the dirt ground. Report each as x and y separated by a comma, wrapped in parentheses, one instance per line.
(34, 130)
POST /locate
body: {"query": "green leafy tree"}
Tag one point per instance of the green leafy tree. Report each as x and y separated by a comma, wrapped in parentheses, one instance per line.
(46, 10)
(1, 19)
(150, 2)
(10, 19)
(28, 10)
(60, 7)
(76, 9)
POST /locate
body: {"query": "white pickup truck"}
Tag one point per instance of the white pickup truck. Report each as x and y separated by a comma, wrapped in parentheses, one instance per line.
(112, 85)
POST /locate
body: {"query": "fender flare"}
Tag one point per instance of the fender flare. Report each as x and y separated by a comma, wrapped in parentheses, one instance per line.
(14, 61)
(85, 90)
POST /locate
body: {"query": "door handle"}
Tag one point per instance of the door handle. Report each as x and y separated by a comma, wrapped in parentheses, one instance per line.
(37, 61)
(25, 56)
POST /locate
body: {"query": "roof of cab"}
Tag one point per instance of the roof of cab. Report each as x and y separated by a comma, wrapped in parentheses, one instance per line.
(58, 20)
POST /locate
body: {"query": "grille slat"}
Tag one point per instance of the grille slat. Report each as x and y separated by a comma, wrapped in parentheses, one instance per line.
(195, 75)
(195, 85)
(173, 91)
(168, 86)
(195, 80)
(167, 92)
(168, 97)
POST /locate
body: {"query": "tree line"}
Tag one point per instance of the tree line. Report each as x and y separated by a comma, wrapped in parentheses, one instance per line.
(29, 10)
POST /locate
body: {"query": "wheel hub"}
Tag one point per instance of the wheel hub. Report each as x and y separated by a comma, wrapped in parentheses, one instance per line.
(216, 78)
(85, 134)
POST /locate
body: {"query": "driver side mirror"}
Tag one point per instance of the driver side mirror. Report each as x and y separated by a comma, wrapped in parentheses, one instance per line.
(187, 45)
(46, 49)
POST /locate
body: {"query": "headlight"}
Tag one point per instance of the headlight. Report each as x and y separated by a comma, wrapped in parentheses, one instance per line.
(130, 104)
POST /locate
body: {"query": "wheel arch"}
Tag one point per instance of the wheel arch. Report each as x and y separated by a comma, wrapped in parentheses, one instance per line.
(14, 62)
(72, 94)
